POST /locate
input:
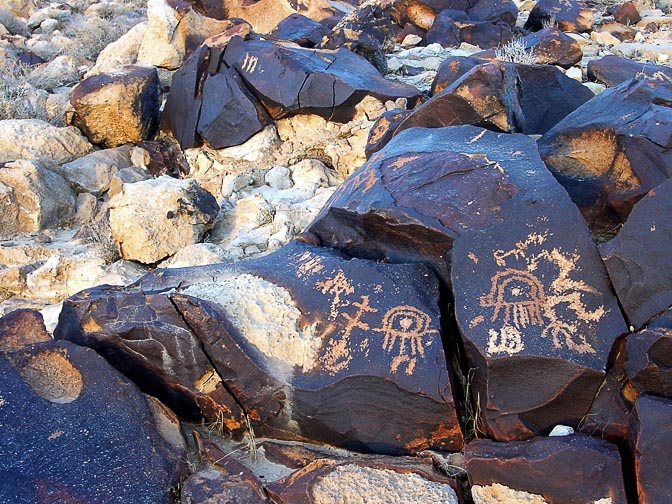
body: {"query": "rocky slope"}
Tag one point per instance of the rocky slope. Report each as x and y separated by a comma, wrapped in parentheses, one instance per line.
(381, 251)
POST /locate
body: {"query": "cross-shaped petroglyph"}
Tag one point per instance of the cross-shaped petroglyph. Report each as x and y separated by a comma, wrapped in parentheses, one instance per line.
(355, 321)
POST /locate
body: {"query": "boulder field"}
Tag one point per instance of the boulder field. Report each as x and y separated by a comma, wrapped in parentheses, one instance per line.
(382, 251)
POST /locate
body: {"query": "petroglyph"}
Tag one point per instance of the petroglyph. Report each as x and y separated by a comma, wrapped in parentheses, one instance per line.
(249, 63)
(309, 265)
(519, 299)
(339, 286)
(355, 320)
(408, 326)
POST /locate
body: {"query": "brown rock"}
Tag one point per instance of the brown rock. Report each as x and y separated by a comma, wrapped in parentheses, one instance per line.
(446, 29)
(614, 70)
(502, 96)
(112, 109)
(612, 150)
(650, 438)
(451, 70)
(383, 129)
(626, 13)
(392, 480)
(301, 30)
(624, 33)
(567, 15)
(145, 338)
(21, 328)
(638, 265)
(649, 362)
(565, 469)
(75, 430)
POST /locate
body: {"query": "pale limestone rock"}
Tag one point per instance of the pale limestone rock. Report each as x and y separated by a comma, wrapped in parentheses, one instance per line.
(86, 208)
(32, 198)
(198, 254)
(248, 214)
(411, 40)
(561, 430)
(121, 272)
(264, 15)
(154, 219)
(94, 172)
(57, 105)
(266, 316)
(49, 272)
(123, 51)
(279, 177)
(313, 172)
(497, 494)
(353, 483)
(61, 71)
(595, 87)
(35, 139)
(653, 52)
(128, 175)
(574, 73)
(604, 38)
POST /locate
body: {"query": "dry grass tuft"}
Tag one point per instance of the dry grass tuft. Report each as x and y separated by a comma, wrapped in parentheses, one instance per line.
(14, 25)
(516, 52)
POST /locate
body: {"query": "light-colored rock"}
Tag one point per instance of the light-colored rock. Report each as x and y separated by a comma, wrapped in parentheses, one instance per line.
(57, 105)
(279, 177)
(154, 219)
(264, 15)
(497, 494)
(248, 214)
(411, 40)
(604, 38)
(35, 139)
(54, 11)
(561, 430)
(652, 52)
(595, 87)
(313, 172)
(123, 51)
(128, 175)
(266, 316)
(61, 71)
(94, 172)
(49, 272)
(574, 73)
(32, 198)
(198, 254)
(121, 273)
(360, 484)
(49, 25)
(86, 208)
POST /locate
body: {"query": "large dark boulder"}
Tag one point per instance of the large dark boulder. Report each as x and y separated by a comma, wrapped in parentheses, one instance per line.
(637, 259)
(614, 70)
(75, 430)
(613, 150)
(557, 470)
(567, 15)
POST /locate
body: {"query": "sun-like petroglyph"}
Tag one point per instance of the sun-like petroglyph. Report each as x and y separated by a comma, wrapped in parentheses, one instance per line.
(409, 326)
(520, 300)
(339, 286)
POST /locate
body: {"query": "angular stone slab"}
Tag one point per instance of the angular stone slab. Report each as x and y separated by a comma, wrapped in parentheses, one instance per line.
(334, 336)
(650, 438)
(649, 362)
(451, 70)
(75, 430)
(301, 30)
(382, 479)
(503, 97)
(230, 114)
(614, 70)
(637, 259)
(144, 337)
(574, 468)
(328, 83)
(383, 130)
(612, 150)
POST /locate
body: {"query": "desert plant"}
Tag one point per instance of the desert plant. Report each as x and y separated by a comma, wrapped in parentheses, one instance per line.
(516, 52)
(90, 35)
(15, 90)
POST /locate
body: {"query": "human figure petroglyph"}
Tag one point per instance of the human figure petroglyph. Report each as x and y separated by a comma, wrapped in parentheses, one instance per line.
(339, 286)
(519, 299)
(409, 326)
(355, 321)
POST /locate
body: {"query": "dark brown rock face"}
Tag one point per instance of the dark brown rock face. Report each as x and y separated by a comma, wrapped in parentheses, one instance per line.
(74, 430)
(21, 328)
(613, 150)
(332, 337)
(614, 70)
(503, 97)
(380, 479)
(649, 362)
(637, 259)
(567, 15)
(117, 108)
(567, 469)
(451, 70)
(328, 83)
(383, 130)
(229, 88)
(650, 438)
(301, 30)
(626, 13)
(147, 339)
